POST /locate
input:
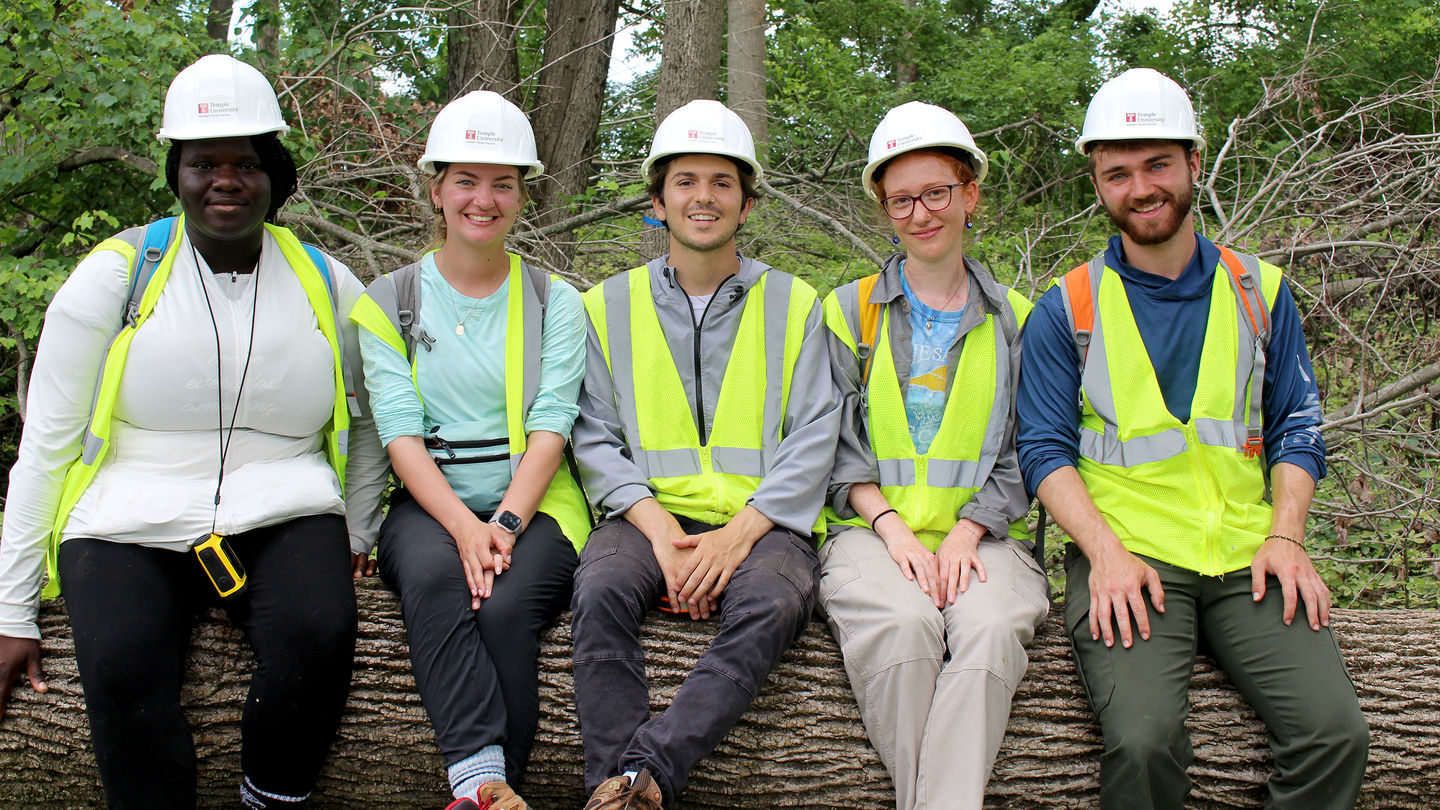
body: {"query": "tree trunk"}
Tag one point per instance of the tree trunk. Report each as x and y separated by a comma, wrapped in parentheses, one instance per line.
(481, 50)
(268, 21)
(217, 19)
(745, 68)
(568, 104)
(800, 745)
(689, 69)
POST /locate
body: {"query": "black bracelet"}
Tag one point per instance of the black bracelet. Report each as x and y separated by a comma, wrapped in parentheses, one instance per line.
(882, 514)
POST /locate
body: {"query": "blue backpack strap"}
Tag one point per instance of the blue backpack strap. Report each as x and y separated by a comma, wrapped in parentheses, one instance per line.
(147, 255)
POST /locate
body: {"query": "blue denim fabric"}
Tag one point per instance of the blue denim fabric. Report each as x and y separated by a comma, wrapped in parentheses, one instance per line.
(764, 609)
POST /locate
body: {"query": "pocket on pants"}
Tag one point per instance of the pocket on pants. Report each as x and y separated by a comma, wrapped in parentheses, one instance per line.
(1095, 668)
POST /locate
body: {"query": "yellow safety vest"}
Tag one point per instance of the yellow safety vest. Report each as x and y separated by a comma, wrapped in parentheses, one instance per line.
(929, 489)
(96, 445)
(712, 482)
(1184, 493)
(378, 312)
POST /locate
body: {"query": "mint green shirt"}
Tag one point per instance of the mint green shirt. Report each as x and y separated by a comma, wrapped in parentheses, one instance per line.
(462, 378)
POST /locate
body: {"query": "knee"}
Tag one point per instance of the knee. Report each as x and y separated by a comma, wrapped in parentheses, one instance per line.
(894, 637)
(773, 598)
(1343, 734)
(321, 634)
(1143, 743)
(990, 644)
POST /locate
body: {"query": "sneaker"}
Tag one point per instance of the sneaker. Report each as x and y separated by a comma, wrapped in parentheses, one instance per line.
(499, 796)
(617, 793)
(462, 804)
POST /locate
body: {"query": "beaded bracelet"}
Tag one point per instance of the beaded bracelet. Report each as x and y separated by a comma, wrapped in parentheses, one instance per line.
(1299, 543)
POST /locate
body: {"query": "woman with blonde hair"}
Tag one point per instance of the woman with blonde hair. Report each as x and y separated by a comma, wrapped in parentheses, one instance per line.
(474, 395)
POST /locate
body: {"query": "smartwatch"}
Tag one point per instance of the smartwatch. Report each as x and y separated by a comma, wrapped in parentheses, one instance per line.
(507, 520)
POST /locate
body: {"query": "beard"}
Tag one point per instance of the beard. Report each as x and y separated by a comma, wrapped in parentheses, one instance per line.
(1147, 233)
(703, 243)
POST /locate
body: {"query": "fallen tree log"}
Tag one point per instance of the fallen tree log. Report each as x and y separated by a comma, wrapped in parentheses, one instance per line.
(800, 745)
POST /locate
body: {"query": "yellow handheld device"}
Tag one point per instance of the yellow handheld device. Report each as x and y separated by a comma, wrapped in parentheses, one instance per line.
(221, 565)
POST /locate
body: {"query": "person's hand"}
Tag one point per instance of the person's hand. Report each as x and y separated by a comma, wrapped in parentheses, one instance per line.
(717, 554)
(916, 561)
(672, 560)
(16, 653)
(1290, 564)
(362, 565)
(1116, 580)
(485, 554)
(959, 554)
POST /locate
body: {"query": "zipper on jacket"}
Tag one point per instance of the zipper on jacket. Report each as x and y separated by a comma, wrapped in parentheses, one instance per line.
(699, 375)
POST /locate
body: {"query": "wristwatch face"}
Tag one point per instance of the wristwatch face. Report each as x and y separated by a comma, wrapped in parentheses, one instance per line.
(509, 521)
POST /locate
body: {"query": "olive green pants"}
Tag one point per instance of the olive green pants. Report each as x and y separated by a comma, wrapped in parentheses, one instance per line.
(1293, 676)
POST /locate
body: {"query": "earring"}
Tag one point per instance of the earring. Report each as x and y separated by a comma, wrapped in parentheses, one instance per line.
(969, 225)
(894, 240)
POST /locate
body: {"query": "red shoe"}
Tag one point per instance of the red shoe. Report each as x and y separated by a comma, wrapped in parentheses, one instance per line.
(463, 804)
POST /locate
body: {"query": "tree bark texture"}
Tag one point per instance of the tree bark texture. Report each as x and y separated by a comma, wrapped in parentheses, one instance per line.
(689, 69)
(745, 68)
(217, 19)
(801, 744)
(481, 49)
(568, 104)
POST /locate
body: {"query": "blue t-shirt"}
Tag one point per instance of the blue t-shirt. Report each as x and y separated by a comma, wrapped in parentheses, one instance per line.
(932, 333)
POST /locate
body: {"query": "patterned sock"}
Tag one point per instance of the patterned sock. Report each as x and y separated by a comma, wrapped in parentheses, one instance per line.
(485, 765)
(253, 798)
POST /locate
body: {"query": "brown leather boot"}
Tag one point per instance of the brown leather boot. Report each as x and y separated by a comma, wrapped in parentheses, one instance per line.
(499, 796)
(617, 793)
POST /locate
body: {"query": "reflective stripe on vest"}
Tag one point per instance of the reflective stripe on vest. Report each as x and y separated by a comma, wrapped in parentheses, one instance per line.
(378, 311)
(97, 434)
(929, 489)
(1183, 493)
(709, 483)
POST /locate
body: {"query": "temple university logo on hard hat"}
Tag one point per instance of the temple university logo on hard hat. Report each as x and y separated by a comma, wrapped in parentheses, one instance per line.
(705, 136)
(890, 144)
(216, 107)
(478, 136)
(1129, 118)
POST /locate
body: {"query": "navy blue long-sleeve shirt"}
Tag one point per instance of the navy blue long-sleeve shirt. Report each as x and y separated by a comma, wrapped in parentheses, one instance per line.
(1171, 316)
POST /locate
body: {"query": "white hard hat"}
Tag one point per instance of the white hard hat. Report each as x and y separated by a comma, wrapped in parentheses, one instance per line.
(482, 127)
(1140, 104)
(703, 127)
(917, 125)
(220, 97)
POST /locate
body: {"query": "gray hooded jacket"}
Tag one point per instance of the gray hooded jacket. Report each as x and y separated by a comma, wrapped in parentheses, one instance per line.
(793, 490)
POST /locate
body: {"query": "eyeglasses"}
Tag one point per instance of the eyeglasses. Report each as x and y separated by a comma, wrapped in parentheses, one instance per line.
(901, 206)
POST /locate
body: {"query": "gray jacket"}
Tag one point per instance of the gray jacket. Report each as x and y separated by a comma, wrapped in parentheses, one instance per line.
(1002, 498)
(793, 491)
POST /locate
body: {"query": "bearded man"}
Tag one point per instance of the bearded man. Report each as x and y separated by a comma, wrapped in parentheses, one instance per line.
(1169, 421)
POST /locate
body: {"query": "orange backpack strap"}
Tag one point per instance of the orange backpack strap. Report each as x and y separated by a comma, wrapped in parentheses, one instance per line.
(1245, 281)
(869, 321)
(1081, 308)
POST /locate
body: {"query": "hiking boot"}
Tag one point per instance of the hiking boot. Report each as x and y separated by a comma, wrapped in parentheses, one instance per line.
(617, 793)
(499, 796)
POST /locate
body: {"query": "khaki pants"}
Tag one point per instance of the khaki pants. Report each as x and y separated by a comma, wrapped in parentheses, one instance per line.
(934, 686)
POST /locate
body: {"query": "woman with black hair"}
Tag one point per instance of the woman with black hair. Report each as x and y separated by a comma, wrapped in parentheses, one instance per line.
(191, 441)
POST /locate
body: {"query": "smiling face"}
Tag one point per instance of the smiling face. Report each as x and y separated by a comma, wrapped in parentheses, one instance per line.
(702, 203)
(930, 237)
(223, 190)
(1147, 188)
(480, 201)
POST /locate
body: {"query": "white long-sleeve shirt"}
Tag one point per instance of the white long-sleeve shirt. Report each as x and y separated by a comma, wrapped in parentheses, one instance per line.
(156, 486)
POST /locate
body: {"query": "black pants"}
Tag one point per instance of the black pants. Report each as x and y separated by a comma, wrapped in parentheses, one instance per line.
(475, 669)
(132, 610)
